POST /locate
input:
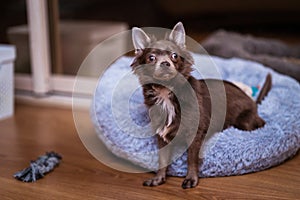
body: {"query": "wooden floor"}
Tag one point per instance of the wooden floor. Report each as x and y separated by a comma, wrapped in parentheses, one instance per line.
(35, 130)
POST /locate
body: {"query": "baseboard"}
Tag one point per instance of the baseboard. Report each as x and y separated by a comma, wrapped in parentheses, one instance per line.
(53, 100)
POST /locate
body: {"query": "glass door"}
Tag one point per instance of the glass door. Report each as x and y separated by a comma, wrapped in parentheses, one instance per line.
(56, 49)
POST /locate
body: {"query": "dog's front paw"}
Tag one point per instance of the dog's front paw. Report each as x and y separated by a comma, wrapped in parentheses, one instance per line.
(190, 182)
(155, 181)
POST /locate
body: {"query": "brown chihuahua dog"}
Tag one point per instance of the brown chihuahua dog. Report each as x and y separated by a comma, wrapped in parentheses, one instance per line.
(177, 101)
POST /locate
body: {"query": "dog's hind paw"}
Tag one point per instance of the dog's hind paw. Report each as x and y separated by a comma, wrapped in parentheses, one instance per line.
(155, 181)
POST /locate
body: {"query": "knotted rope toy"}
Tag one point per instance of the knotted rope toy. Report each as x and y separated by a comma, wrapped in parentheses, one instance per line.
(39, 167)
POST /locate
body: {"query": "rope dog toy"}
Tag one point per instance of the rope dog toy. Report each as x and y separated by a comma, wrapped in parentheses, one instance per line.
(39, 167)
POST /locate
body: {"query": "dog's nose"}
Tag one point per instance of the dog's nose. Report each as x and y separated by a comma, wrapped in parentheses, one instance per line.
(165, 64)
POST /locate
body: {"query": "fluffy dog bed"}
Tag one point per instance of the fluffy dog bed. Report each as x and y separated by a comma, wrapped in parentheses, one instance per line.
(275, 54)
(122, 123)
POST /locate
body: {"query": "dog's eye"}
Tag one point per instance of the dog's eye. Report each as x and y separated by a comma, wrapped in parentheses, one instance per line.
(151, 58)
(174, 56)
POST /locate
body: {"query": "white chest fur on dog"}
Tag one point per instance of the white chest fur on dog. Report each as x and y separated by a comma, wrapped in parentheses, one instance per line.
(163, 99)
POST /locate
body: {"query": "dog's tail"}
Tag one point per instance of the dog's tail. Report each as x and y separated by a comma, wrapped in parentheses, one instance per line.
(265, 89)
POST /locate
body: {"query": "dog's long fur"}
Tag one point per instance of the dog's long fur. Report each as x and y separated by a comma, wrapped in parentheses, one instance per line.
(164, 70)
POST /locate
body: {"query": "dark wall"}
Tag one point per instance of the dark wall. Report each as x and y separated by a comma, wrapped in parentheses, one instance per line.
(198, 16)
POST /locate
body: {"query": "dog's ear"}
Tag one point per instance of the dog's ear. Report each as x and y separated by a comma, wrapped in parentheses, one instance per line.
(178, 35)
(140, 39)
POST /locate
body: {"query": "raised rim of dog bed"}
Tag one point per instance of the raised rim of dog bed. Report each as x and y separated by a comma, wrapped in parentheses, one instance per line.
(233, 151)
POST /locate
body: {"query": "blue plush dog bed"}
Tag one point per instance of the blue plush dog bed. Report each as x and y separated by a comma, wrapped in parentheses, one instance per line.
(122, 122)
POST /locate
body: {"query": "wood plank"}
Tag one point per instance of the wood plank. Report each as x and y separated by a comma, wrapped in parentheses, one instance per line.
(54, 36)
(34, 130)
